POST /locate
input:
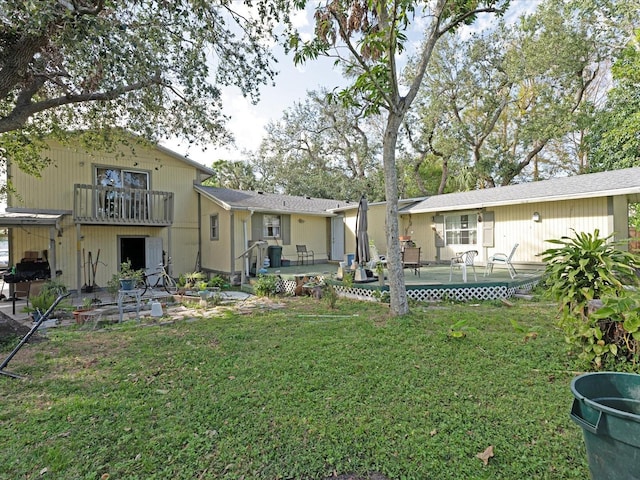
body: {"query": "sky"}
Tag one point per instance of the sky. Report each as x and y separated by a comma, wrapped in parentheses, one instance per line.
(292, 83)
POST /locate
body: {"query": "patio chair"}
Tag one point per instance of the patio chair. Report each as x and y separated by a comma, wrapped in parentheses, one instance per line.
(501, 259)
(304, 254)
(376, 258)
(411, 259)
(21, 290)
(463, 261)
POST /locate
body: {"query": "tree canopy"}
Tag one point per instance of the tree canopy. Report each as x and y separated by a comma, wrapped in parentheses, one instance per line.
(322, 149)
(615, 136)
(152, 67)
(512, 104)
(368, 38)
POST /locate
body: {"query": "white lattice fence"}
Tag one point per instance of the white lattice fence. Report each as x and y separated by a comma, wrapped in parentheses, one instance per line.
(424, 294)
(433, 294)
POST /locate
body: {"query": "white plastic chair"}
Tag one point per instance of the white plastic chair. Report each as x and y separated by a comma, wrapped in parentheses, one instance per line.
(463, 261)
(501, 259)
(376, 258)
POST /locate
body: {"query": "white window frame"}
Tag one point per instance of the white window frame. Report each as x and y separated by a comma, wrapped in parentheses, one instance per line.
(461, 229)
(271, 226)
(214, 227)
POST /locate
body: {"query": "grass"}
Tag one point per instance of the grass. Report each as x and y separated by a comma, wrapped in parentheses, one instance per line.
(299, 393)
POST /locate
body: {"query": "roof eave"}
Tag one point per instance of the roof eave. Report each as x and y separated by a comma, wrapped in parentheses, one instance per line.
(504, 203)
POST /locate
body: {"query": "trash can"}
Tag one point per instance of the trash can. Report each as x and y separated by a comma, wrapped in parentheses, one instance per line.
(350, 258)
(607, 407)
(274, 252)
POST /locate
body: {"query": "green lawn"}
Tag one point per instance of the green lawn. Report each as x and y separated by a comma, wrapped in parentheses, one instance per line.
(298, 393)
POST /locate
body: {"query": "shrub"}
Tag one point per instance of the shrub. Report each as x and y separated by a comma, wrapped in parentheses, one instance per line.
(614, 340)
(331, 295)
(587, 268)
(191, 279)
(218, 282)
(50, 291)
(266, 286)
(347, 279)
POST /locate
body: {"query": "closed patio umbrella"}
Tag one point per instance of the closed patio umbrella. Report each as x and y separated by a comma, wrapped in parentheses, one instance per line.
(363, 255)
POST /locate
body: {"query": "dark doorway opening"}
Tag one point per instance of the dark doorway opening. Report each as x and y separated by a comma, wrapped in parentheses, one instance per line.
(133, 249)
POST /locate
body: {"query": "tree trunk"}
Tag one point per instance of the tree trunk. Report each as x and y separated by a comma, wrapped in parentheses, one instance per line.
(397, 290)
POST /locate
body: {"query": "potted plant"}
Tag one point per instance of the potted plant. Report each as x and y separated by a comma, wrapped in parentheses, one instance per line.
(128, 276)
(42, 301)
(79, 313)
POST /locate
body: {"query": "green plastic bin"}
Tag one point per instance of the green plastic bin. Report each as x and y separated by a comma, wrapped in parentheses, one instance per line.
(274, 252)
(607, 407)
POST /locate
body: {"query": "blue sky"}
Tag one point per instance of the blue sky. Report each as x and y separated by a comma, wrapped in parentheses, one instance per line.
(291, 84)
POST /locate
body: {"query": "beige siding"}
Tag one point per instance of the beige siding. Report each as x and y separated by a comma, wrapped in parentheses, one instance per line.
(216, 254)
(67, 255)
(311, 231)
(514, 224)
(54, 191)
(377, 221)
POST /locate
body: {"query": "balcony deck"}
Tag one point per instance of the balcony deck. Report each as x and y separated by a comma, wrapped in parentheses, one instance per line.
(100, 205)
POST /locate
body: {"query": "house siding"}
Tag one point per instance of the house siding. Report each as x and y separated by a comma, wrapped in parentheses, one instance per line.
(221, 255)
(376, 228)
(514, 224)
(216, 254)
(54, 190)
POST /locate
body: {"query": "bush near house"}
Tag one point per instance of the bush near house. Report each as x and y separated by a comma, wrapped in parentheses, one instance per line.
(583, 273)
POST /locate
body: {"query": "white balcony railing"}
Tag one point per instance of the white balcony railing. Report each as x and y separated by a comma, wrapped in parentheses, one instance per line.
(121, 206)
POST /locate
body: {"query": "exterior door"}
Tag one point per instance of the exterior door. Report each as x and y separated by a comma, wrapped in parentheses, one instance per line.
(337, 238)
(153, 257)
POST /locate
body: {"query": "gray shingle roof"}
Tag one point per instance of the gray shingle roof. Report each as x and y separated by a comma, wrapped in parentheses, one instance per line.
(270, 202)
(615, 182)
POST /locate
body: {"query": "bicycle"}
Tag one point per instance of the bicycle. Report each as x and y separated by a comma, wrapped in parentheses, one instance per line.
(164, 280)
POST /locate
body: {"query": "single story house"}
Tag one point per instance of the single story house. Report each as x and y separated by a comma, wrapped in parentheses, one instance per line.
(236, 219)
(495, 219)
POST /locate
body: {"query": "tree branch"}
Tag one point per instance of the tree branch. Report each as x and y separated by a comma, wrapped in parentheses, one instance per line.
(25, 109)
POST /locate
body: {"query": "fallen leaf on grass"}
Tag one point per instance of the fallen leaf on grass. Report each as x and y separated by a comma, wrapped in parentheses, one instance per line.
(486, 455)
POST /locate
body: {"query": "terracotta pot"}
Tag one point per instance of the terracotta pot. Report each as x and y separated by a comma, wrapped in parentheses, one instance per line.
(79, 316)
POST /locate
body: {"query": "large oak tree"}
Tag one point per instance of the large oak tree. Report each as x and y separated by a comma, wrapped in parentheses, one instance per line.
(152, 67)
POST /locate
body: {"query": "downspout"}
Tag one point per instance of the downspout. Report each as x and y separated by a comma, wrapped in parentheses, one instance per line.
(79, 265)
(232, 238)
(246, 244)
(199, 256)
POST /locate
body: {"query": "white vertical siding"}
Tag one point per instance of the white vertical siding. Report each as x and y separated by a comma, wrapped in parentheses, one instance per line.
(514, 224)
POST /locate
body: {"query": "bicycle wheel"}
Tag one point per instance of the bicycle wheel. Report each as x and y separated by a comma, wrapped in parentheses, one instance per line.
(169, 284)
(142, 284)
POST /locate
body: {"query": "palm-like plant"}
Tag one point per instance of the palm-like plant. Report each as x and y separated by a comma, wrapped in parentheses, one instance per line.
(585, 267)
